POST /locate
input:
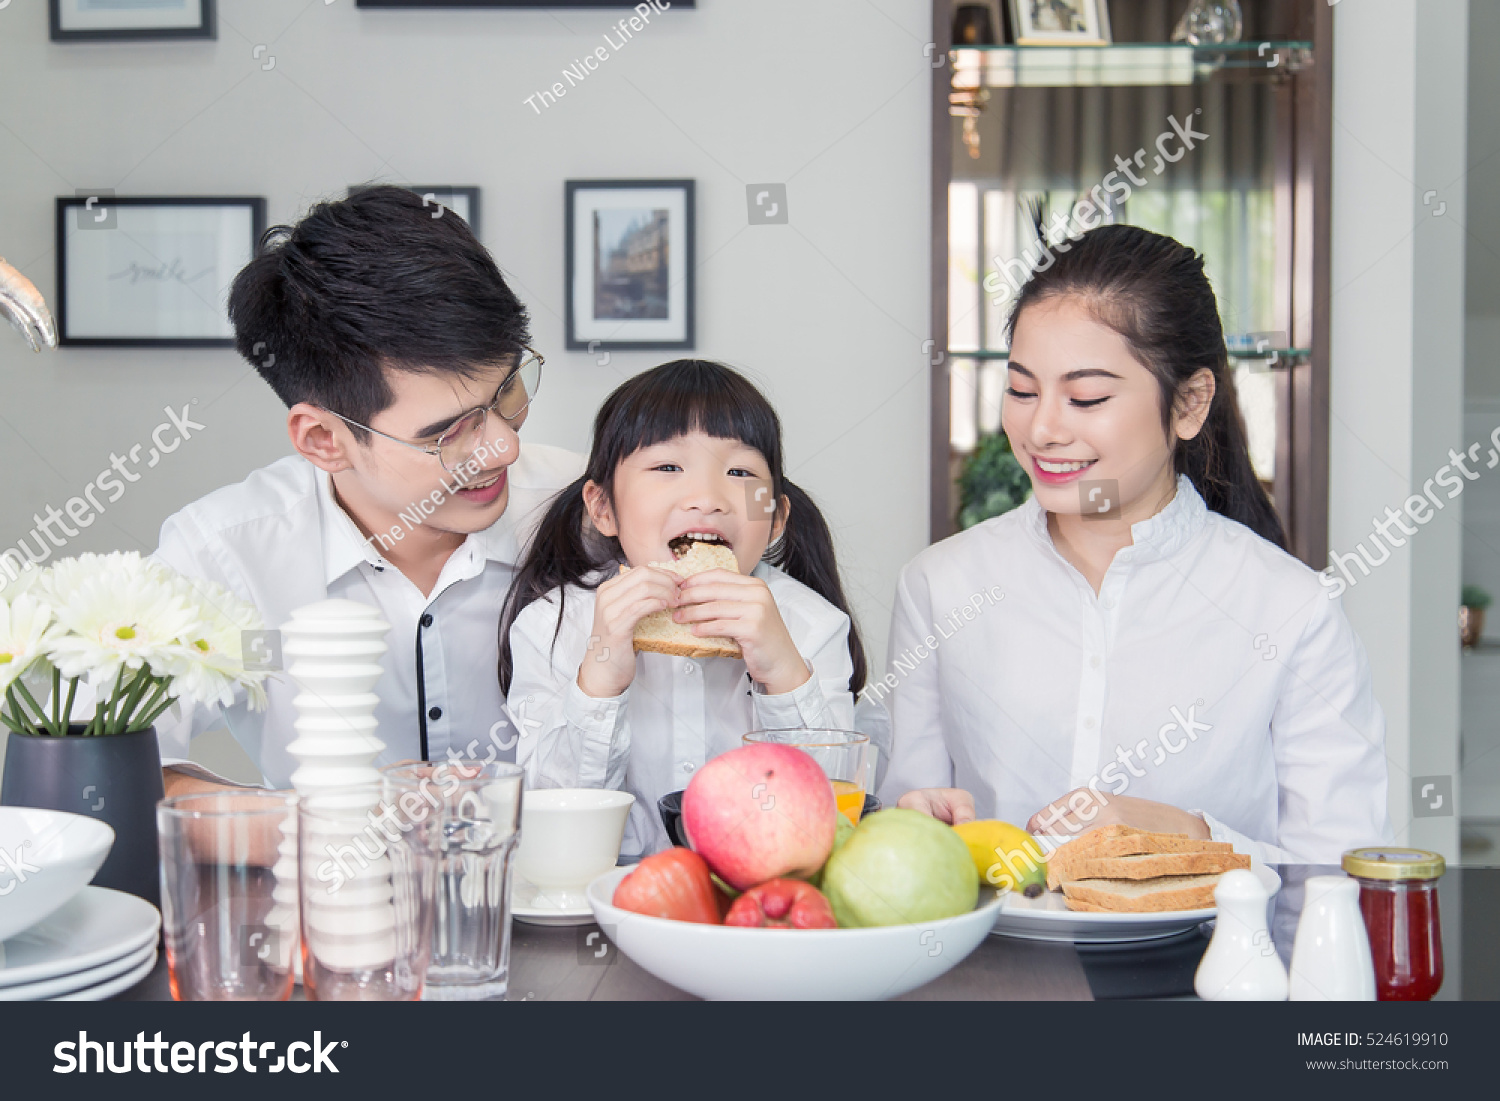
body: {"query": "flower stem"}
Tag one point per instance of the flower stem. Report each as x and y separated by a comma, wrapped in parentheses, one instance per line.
(56, 696)
(152, 717)
(156, 693)
(16, 719)
(67, 716)
(41, 712)
(133, 693)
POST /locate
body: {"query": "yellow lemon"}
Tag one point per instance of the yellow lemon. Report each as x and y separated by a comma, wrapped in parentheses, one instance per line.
(1005, 855)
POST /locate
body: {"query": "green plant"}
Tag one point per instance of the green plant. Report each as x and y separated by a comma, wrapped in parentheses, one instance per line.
(1475, 597)
(992, 481)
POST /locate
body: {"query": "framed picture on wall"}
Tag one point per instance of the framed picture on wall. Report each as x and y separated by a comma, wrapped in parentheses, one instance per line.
(92, 20)
(518, 4)
(629, 264)
(1060, 22)
(463, 201)
(151, 273)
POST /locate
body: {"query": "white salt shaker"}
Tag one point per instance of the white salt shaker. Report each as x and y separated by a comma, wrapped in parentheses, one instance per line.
(1331, 958)
(1241, 964)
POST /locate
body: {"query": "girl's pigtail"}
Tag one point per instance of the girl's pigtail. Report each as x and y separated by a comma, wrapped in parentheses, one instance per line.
(805, 553)
(564, 551)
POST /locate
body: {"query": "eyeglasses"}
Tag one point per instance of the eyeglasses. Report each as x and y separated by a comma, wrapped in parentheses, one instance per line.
(464, 436)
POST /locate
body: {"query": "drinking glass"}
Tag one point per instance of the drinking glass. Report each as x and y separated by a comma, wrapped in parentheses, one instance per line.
(229, 894)
(843, 754)
(368, 879)
(476, 808)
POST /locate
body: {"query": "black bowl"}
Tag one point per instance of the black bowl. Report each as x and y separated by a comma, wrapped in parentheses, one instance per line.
(670, 807)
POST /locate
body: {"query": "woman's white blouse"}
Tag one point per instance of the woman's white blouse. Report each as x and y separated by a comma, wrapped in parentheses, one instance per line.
(1212, 672)
(676, 714)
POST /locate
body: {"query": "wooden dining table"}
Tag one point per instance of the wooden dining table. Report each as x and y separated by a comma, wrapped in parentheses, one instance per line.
(566, 964)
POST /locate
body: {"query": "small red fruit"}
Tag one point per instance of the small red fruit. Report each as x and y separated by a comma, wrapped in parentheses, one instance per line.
(674, 884)
(782, 904)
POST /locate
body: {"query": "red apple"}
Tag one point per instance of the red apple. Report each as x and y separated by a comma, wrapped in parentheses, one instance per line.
(760, 812)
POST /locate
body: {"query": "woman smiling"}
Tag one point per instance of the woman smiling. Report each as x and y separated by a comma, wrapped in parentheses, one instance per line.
(1158, 658)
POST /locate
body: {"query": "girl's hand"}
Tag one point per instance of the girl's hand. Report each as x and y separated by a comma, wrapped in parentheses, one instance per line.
(1083, 809)
(738, 606)
(619, 604)
(951, 805)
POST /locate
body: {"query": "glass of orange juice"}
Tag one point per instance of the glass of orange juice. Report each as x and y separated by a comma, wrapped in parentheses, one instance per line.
(844, 756)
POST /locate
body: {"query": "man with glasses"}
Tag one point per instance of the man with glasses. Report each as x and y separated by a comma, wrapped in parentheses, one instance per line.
(403, 359)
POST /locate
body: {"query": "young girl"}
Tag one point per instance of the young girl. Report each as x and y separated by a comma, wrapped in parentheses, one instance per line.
(689, 448)
(1157, 658)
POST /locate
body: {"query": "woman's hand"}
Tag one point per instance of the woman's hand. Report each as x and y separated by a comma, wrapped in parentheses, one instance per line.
(951, 805)
(619, 604)
(738, 606)
(1084, 809)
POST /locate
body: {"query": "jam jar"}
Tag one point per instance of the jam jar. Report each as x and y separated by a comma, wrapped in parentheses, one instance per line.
(1398, 898)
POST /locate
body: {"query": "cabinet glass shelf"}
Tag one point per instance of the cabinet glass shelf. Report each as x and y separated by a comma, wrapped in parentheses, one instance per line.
(1146, 63)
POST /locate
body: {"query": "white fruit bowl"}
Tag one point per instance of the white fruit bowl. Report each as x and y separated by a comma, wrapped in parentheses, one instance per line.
(66, 849)
(723, 963)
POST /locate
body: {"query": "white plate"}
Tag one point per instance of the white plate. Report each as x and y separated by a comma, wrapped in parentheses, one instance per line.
(1048, 918)
(79, 980)
(58, 853)
(96, 926)
(534, 905)
(717, 961)
(113, 986)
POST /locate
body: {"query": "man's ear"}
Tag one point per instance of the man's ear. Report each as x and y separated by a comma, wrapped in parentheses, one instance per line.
(597, 502)
(319, 437)
(1194, 401)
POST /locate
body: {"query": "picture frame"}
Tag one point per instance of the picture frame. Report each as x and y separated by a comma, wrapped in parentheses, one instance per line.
(629, 248)
(429, 4)
(80, 21)
(463, 201)
(147, 272)
(1060, 22)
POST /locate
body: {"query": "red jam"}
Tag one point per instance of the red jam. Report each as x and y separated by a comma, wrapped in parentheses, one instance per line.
(1398, 898)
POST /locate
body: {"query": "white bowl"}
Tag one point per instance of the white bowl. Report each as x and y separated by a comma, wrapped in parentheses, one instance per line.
(719, 962)
(66, 849)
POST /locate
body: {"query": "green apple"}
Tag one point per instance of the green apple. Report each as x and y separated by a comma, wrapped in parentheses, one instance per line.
(845, 830)
(900, 867)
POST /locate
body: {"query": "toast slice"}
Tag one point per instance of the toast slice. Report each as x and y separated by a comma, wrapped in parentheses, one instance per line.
(1156, 865)
(658, 633)
(1141, 896)
(1115, 841)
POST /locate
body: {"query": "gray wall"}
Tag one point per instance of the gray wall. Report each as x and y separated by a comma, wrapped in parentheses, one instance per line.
(828, 312)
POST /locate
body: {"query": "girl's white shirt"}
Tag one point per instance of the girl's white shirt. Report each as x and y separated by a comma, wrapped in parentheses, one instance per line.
(1212, 671)
(678, 712)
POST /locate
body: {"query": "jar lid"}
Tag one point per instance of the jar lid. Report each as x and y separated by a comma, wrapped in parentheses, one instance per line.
(1381, 862)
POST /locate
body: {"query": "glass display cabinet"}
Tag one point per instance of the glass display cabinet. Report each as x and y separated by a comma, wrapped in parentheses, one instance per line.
(1229, 151)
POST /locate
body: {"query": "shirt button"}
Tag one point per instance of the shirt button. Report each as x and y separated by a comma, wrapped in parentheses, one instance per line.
(1088, 724)
(688, 667)
(686, 766)
(1094, 660)
(1108, 602)
(435, 713)
(426, 619)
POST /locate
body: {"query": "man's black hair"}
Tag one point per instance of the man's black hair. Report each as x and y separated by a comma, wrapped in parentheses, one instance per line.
(369, 283)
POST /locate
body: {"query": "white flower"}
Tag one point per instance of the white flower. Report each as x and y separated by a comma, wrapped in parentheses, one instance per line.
(26, 632)
(211, 663)
(119, 612)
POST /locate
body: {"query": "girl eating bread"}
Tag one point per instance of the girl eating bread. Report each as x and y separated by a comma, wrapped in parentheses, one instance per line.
(681, 593)
(1157, 659)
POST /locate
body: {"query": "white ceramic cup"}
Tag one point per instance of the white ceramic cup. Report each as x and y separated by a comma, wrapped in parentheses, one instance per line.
(569, 836)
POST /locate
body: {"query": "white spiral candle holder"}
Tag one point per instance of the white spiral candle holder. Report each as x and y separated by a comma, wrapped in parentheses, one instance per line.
(333, 650)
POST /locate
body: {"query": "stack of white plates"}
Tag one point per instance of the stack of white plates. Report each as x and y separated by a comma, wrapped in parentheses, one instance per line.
(98, 944)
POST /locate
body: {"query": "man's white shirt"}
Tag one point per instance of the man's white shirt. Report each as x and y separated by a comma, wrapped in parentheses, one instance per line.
(280, 540)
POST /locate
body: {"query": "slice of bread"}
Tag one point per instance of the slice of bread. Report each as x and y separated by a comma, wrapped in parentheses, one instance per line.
(658, 633)
(1114, 841)
(1156, 865)
(1141, 896)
